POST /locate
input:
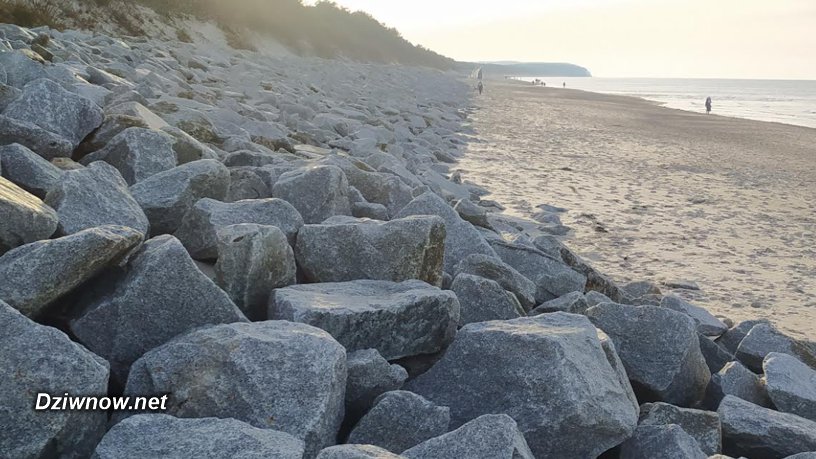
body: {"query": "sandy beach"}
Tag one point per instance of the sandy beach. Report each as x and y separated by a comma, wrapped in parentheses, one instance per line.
(660, 194)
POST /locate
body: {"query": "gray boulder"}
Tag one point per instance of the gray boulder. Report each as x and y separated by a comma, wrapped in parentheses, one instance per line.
(594, 298)
(48, 105)
(24, 217)
(462, 238)
(638, 289)
(166, 197)
(659, 348)
(369, 376)
(36, 274)
(551, 276)
(753, 431)
(386, 189)
(791, 385)
(160, 294)
(317, 192)
(764, 339)
(39, 359)
(483, 299)
(287, 376)
(492, 436)
(398, 250)
(246, 184)
(732, 338)
(21, 67)
(137, 154)
(707, 324)
(715, 355)
(253, 260)
(494, 269)
(397, 319)
(703, 426)
(370, 210)
(573, 302)
(356, 452)
(663, 441)
(28, 170)
(400, 420)
(198, 228)
(472, 213)
(736, 380)
(96, 195)
(571, 403)
(169, 437)
(46, 144)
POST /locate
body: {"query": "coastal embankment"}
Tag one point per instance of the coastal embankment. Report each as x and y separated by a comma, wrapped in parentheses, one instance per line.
(661, 194)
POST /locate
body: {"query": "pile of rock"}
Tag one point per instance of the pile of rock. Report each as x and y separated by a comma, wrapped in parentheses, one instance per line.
(279, 246)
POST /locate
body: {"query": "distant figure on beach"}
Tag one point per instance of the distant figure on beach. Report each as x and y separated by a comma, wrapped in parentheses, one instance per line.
(565, 84)
(480, 87)
(708, 104)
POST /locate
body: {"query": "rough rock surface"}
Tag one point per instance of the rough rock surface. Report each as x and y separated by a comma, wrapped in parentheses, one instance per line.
(573, 302)
(659, 348)
(160, 295)
(137, 154)
(400, 420)
(703, 426)
(44, 143)
(398, 250)
(266, 384)
(491, 436)
(36, 274)
(24, 217)
(169, 437)
(663, 441)
(167, 196)
(753, 431)
(764, 339)
(317, 192)
(579, 409)
(791, 385)
(36, 358)
(508, 278)
(356, 452)
(736, 380)
(483, 299)
(253, 260)
(707, 324)
(28, 170)
(398, 319)
(96, 195)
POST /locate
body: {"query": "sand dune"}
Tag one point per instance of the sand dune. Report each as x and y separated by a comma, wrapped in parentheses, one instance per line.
(660, 194)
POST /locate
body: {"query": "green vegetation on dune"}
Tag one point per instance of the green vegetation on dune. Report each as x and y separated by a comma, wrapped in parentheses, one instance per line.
(324, 30)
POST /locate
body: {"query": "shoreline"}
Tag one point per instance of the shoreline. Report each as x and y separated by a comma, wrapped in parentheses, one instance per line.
(662, 194)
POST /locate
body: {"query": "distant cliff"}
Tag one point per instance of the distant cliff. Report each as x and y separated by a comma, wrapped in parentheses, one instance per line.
(522, 69)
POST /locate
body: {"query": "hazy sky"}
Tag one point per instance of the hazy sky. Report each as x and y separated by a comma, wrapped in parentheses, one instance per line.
(660, 38)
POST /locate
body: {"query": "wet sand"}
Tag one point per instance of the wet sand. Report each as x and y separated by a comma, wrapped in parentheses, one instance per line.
(660, 194)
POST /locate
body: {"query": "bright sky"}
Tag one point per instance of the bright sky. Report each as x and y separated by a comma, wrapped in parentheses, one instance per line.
(617, 38)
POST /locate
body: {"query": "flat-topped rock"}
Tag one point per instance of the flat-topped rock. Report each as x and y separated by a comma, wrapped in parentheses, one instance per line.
(25, 217)
(753, 431)
(317, 192)
(397, 319)
(28, 170)
(398, 250)
(137, 154)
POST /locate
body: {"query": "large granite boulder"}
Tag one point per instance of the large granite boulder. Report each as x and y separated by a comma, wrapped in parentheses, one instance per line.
(659, 348)
(386, 189)
(462, 238)
(707, 324)
(508, 278)
(551, 373)
(37, 359)
(551, 276)
(93, 196)
(369, 376)
(398, 319)
(736, 380)
(273, 375)
(48, 105)
(763, 339)
(734, 335)
(167, 196)
(344, 249)
(198, 228)
(491, 436)
(36, 274)
(24, 217)
(703, 426)
(253, 260)
(169, 437)
(400, 420)
(27, 169)
(137, 154)
(573, 302)
(753, 431)
(158, 296)
(357, 452)
(46, 144)
(715, 354)
(246, 184)
(791, 385)
(664, 441)
(317, 192)
(483, 299)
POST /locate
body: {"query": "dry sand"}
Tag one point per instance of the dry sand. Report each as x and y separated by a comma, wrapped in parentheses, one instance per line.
(660, 194)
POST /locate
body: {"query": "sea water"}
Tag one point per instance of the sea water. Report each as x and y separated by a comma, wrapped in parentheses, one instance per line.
(782, 101)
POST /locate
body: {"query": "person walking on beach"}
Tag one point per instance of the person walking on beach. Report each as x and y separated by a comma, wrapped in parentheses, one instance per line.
(480, 87)
(565, 84)
(708, 105)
